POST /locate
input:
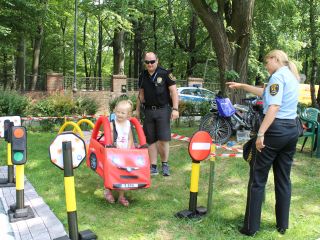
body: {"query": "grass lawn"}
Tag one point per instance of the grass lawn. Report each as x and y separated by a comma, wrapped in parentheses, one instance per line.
(151, 211)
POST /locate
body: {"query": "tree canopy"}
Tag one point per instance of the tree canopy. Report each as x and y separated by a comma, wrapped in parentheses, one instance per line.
(218, 40)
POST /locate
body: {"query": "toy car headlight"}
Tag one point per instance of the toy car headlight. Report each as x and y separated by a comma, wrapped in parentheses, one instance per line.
(117, 161)
(141, 162)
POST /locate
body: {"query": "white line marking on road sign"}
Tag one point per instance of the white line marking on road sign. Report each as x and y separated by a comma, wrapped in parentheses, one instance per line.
(200, 146)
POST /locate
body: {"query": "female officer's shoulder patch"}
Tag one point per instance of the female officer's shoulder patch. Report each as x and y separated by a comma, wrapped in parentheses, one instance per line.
(274, 89)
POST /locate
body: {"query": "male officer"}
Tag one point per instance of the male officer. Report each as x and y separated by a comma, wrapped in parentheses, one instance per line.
(157, 91)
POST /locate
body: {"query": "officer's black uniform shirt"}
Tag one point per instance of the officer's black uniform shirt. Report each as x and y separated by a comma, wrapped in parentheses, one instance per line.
(156, 87)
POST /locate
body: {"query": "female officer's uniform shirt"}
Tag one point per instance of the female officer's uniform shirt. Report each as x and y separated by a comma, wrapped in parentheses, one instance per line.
(156, 91)
(282, 90)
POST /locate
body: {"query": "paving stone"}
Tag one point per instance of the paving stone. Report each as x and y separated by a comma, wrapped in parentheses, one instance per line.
(44, 226)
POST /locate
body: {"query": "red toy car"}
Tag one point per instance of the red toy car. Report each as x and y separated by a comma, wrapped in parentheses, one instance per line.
(121, 169)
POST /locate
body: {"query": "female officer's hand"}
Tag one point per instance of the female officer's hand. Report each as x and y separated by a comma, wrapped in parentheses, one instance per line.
(234, 85)
(259, 143)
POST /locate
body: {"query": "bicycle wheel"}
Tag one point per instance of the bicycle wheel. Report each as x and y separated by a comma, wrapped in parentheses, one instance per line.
(218, 127)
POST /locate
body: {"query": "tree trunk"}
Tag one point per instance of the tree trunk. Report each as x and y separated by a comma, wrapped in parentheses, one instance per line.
(63, 26)
(99, 56)
(85, 53)
(313, 48)
(231, 47)
(192, 44)
(5, 70)
(20, 66)
(155, 31)
(138, 49)
(118, 52)
(36, 57)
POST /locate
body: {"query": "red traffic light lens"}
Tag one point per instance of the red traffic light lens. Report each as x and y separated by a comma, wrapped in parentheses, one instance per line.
(18, 133)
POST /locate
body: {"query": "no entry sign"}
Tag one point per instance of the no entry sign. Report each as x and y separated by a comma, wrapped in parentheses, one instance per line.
(200, 145)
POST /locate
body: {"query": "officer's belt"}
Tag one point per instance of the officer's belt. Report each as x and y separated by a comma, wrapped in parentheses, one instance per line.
(156, 107)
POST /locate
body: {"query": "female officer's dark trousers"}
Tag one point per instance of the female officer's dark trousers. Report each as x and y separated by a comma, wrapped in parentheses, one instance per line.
(280, 145)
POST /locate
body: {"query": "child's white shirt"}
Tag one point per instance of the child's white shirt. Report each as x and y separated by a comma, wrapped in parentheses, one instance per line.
(123, 131)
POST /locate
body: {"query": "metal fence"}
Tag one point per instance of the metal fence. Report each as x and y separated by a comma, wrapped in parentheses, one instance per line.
(9, 82)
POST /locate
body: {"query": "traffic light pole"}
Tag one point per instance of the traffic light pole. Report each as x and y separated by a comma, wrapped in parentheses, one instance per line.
(9, 181)
(18, 154)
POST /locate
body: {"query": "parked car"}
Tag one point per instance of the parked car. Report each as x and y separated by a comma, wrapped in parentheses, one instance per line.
(195, 94)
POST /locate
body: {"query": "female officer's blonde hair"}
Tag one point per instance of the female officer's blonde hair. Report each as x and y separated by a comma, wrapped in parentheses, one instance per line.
(283, 59)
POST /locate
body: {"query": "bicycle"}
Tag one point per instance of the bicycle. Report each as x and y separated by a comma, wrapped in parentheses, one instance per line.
(221, 128)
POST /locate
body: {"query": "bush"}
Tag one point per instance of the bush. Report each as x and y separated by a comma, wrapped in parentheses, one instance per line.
(57, 105)
(12, 103)
(86, 106)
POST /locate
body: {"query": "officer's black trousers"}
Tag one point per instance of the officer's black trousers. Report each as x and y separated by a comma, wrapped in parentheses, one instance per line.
(280, 145)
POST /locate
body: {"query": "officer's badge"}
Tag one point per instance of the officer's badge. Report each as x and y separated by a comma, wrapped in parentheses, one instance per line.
(274, 89)
(173, 78)
(159, 80)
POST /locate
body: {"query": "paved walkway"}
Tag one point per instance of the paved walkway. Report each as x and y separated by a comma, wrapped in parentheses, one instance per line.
(44, 226)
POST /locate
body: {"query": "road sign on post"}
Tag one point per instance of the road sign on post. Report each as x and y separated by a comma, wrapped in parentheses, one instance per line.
(200, 145)
(18, 145)
(199, 149)
(78, 149)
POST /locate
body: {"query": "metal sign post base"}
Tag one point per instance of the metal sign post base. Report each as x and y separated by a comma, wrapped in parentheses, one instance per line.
(83, 235)
(4, 183)
(16, 215)
(200, 211)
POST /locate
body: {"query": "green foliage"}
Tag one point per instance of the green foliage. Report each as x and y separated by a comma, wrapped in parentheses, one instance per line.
(57, 105)
(12, 103)
(189, 110)
(86, 106)
(232, 75)
(60, 105)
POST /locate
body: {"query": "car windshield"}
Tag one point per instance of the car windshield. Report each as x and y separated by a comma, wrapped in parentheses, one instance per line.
(207, 94)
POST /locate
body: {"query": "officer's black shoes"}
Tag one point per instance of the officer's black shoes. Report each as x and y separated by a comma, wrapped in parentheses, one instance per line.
(281, 230)
(247, 232)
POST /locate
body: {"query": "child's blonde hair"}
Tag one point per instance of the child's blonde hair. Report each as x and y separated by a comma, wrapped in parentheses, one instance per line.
(125, 102)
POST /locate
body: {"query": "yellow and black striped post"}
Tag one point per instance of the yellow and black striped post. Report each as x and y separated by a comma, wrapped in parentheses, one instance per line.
(18, 154)
(69, 188)
(20, 186)
(194, 186)
(9, 182)
(70, 194)
(10, 165)
(193, 210)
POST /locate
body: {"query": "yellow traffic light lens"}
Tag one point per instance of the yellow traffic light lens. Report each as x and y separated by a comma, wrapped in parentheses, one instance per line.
(18, 156)
(18, 133)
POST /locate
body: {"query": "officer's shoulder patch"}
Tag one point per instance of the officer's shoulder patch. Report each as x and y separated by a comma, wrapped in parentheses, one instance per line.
(173, 78)
(274, 89)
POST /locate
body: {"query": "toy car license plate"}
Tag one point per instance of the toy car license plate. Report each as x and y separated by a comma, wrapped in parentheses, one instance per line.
(127, 185)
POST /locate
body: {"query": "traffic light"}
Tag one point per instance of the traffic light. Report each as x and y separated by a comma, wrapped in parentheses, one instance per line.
(18, 145)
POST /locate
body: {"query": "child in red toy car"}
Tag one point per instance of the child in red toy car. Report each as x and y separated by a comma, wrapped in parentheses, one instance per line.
(123, 139)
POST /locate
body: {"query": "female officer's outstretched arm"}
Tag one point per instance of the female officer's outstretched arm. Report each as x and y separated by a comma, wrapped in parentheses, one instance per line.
(252, 89)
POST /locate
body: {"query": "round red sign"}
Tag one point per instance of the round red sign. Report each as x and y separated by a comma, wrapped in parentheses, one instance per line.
(200, 145)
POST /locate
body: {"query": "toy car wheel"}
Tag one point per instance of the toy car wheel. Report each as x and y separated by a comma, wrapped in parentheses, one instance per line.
(93, 161)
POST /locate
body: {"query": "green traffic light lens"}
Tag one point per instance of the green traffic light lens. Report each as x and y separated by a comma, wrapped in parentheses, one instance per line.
(18, 156)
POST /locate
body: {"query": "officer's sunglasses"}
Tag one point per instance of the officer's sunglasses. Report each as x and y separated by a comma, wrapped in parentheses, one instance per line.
(151, 61)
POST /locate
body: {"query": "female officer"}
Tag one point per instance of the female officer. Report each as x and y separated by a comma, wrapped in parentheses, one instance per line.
(276, 141)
